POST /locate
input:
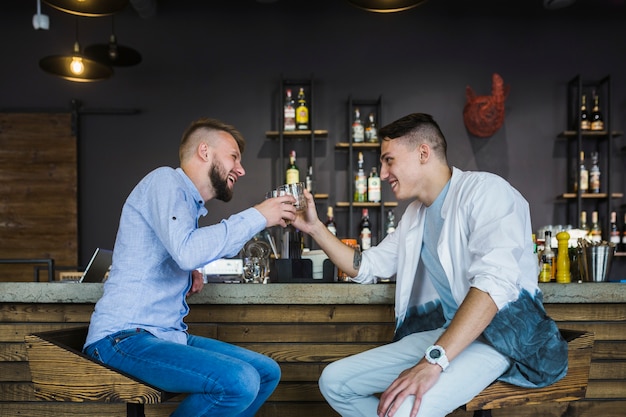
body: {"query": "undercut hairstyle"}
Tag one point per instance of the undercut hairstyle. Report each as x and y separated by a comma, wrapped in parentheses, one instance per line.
(415, 129)
(192, 136)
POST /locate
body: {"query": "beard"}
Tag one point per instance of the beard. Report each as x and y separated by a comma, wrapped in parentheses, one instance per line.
(219, 180)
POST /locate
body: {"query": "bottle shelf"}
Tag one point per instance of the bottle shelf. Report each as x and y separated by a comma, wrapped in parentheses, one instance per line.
(346, 145)
(589, 133)
(366, 204)
(568, 196)
(320, 196)
(273, 134)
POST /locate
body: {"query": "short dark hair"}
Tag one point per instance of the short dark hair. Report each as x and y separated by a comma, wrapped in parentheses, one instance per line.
(209, 124)
(417, 128)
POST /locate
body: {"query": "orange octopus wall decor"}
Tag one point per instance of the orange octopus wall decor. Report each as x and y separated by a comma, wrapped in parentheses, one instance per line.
(484, 115)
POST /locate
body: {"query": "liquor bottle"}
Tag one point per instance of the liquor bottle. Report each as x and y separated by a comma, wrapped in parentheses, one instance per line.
(358, 133)
(302, 112)
(614, 236)
(583, 174)
(371, 132)
(594, 174)
(595, 234)
(585, 123)
(624, 235)
(290, 112)
(292, 174)
(597, 121)
(390, 223)
(360, 182)
(583, 221)
(547, 264)
(309, 179)
(330, 221)
(365, 231)
(373, 186)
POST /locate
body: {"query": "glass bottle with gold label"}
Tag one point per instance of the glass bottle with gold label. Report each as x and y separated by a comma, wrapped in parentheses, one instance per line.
(289, 112)
(373, 186)
(597, 120)
(360, 182)
(358, 133)
(292, 173)
(585, 122)
(595, 234)
(594, 174)
(302, 111)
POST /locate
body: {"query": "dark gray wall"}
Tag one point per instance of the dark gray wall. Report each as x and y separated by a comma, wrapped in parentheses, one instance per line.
(225, 58)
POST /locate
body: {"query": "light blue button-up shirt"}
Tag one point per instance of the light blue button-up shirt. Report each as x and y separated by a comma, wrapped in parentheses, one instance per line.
(158, 244)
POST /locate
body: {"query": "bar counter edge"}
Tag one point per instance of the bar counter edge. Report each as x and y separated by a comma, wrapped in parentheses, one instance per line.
(296, 293)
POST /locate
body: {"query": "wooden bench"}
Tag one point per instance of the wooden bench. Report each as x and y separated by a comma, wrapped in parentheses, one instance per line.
(61, 372)
(572, 387)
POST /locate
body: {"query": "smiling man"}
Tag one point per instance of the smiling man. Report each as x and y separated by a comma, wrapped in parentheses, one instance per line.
(468, 308)
(138, 325)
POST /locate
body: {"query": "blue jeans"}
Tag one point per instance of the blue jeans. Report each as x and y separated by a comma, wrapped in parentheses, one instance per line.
(219, 379)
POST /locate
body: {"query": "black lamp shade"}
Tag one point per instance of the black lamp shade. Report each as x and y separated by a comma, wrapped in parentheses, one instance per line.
(60, 65)
(386, 6)
(91, 8)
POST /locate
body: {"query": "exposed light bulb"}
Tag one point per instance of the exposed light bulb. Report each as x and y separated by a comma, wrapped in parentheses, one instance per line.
(77, 66)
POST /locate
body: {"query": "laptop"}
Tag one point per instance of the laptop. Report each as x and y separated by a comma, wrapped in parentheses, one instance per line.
(98, 268)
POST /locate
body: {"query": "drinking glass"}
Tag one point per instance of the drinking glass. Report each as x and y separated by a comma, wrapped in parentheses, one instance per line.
(297, 191)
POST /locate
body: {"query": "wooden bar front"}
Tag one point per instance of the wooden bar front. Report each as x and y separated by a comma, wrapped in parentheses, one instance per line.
(303, 327)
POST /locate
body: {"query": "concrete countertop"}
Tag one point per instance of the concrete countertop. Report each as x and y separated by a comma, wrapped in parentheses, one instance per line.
(327, 293)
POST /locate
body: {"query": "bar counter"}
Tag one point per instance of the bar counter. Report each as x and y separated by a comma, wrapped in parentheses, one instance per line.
(322, 293)
(303, 327)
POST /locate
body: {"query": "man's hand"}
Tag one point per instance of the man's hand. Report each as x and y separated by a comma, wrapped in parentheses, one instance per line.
(197, 282)
(278, 211)
(413, 381)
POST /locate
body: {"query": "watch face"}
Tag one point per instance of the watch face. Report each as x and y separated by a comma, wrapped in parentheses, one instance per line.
(435, 353)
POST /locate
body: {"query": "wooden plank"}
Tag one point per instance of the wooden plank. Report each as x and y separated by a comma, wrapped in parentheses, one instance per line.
(38, 182)
(606, 389)
(13, 352)
(587, 312)
(298, 333)
(16, 332)
(609, 350)
(377, 313)
(607, 370)
(17, 391)
(299, 372)
(297, 392)
(14, 371)
(309, 352)
(299, 409)
(45, 313)
(601, 331)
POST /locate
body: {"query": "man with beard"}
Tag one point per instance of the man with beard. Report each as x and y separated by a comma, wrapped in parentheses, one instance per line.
(137, 326)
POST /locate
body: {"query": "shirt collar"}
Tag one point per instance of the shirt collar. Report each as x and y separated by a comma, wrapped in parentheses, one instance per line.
(202, 211)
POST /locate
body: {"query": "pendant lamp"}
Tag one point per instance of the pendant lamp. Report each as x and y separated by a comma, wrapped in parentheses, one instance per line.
(386, 6)
(90, 8)
(113, 54)
(75, 67)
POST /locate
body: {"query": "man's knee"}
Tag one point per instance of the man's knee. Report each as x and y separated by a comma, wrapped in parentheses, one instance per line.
(329, 379)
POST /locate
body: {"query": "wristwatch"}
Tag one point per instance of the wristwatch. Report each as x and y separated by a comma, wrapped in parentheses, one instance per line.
(437, 355)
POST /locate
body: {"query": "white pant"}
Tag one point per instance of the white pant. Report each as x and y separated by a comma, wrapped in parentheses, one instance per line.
(350, 384)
